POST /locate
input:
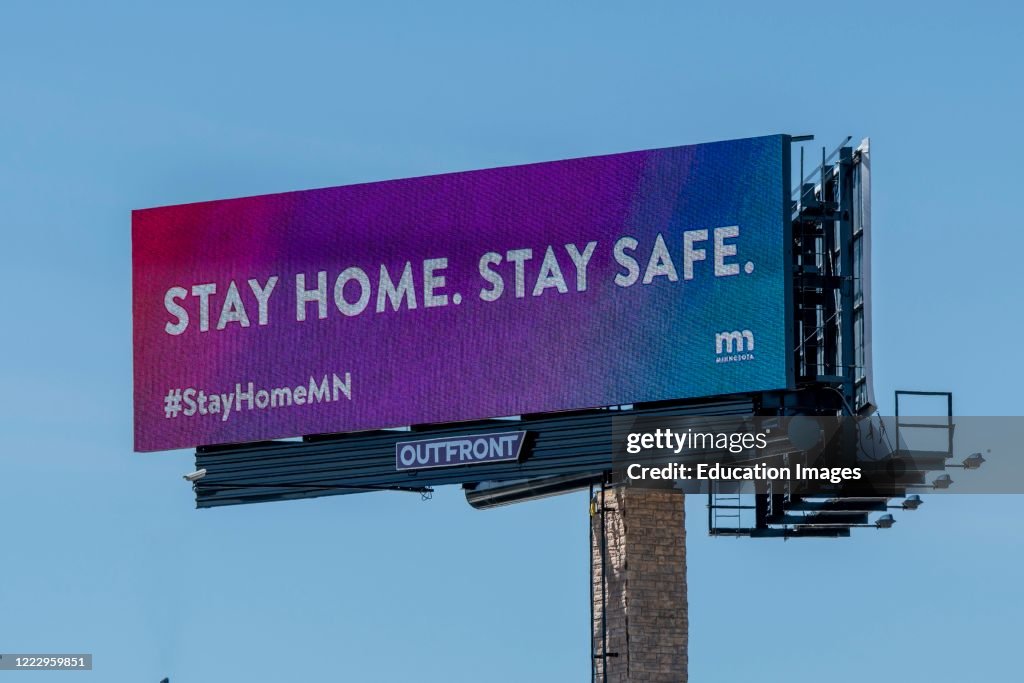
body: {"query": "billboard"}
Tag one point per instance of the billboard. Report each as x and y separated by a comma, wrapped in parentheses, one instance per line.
(644, 276)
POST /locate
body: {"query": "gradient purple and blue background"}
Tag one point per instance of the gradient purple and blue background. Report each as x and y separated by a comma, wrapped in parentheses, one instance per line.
(556, 351)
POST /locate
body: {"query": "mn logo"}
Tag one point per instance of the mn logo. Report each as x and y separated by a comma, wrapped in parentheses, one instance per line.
(734, 345)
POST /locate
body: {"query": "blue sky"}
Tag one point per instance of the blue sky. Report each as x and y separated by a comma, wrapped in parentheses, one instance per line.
(107, 107)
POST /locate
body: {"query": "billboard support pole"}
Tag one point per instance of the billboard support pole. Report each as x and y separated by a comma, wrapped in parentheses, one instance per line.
(604, 598)
(593, 655)
(640, 559)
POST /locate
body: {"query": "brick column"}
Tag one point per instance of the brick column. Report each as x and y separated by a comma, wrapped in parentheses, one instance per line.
(644, 591)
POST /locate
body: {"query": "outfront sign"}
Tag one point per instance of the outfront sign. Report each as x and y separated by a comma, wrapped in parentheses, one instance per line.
(617, 279)
(462, 450)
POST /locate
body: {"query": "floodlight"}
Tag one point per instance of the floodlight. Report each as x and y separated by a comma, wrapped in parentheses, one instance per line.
(490, 494)
(943, 481)
(973, 461)
(912, 502)
(885, 522)
(195, 476)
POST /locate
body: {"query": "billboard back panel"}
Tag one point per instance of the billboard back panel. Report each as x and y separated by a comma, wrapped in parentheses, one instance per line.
(644, 276)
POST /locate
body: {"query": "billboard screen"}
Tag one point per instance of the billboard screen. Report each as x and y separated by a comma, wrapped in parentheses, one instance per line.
(625, 278)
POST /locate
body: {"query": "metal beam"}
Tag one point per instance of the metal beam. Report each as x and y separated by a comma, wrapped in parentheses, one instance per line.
(559, 444)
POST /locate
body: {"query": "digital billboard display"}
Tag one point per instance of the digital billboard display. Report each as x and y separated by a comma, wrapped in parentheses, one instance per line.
(645, 276)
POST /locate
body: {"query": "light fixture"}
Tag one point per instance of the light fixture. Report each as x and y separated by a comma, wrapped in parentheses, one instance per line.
(973, 461)
(195, 476)
(943, 481)
(912, 502)
(885, 522)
